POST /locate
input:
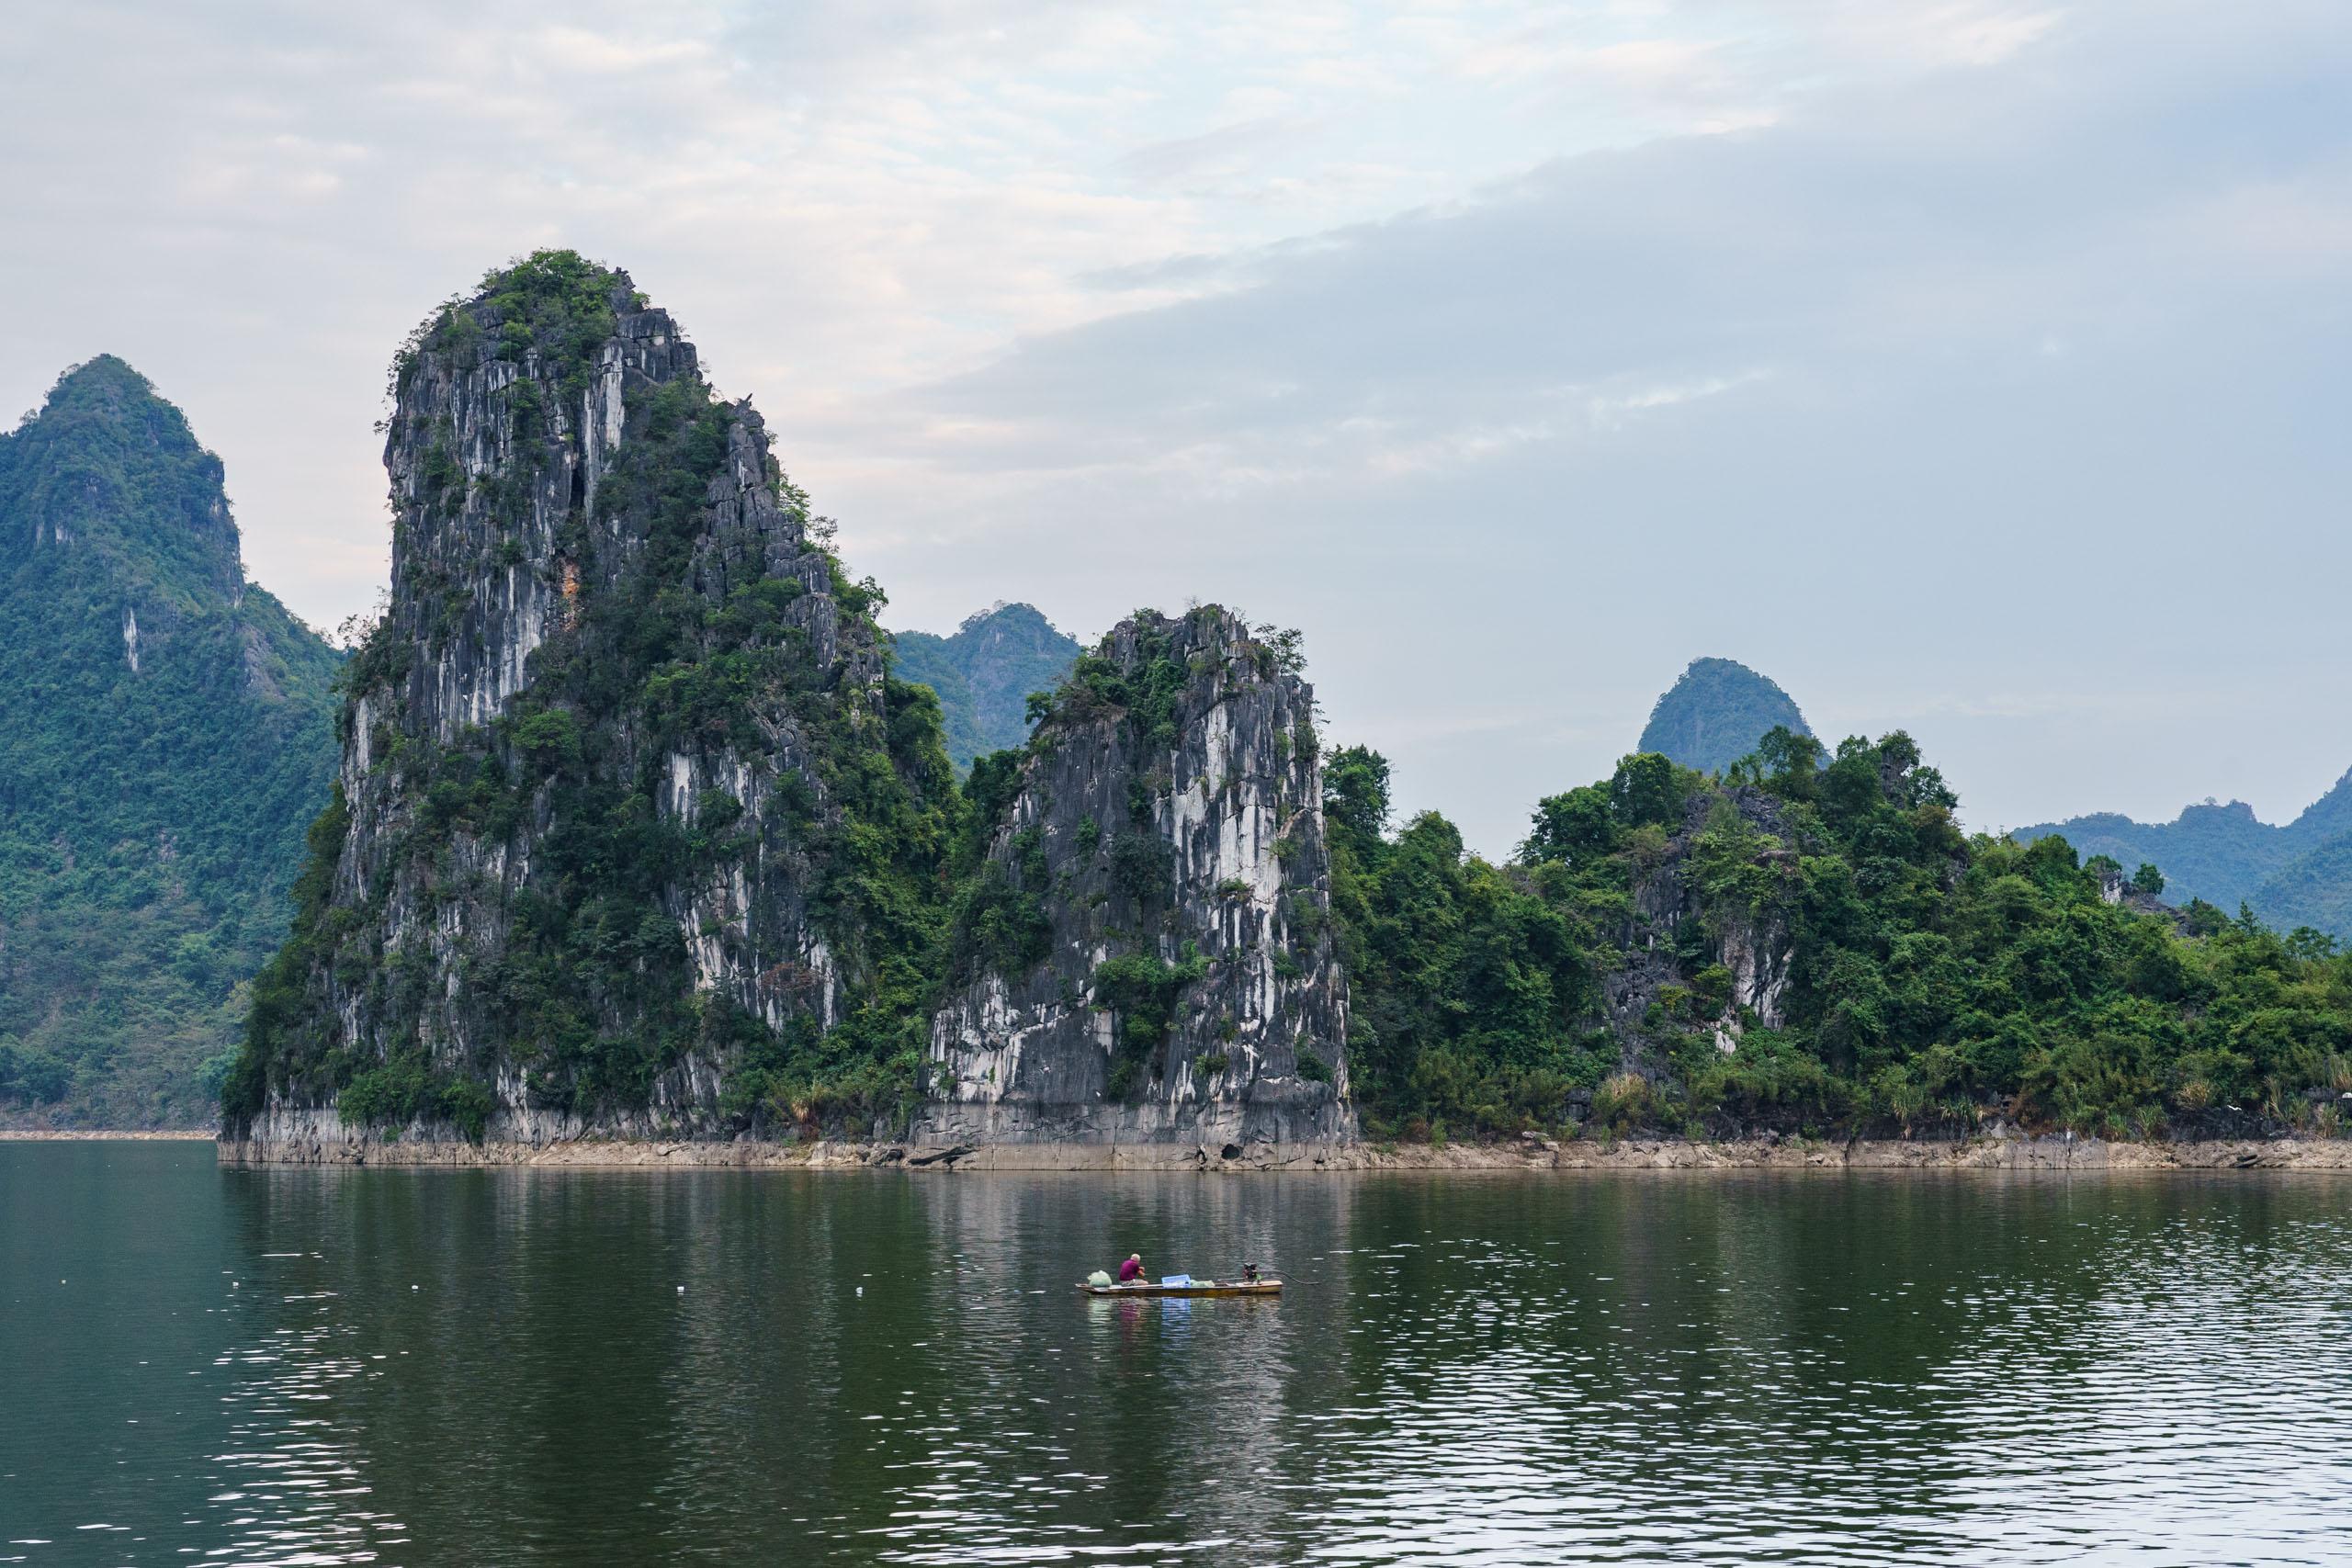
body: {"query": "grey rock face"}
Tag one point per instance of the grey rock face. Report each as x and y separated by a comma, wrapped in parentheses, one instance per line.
(1755, 947)
(544, 520)
(489, 459)
(1164, 837)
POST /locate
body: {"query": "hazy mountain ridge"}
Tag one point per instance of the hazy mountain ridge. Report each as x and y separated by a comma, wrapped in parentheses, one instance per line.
(2296, 874)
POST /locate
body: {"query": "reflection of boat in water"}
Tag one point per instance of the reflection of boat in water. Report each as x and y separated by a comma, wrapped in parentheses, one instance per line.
(1189, 1288)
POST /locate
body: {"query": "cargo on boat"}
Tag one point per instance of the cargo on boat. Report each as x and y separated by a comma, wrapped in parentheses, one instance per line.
(1189, 1288)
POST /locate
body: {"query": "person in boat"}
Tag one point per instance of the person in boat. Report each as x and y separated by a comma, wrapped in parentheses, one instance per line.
(1248, 1273)
(1131, 1272)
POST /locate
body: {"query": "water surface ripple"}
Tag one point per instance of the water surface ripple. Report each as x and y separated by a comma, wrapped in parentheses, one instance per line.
(574, 1367)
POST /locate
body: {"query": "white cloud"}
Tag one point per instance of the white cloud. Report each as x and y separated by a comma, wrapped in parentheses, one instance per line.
(1514, 350)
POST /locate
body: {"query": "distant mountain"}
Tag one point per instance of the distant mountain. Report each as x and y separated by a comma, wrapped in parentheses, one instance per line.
(2294, 875)
(985, 672)
(2220, 853)
(2313, 890)
(164, 740)
(1715, 714)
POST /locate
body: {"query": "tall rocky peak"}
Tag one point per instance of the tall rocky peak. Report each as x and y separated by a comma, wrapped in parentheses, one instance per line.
(632, 831)
(1715, 712)
(1146, 952)
(511, 410)
(108, 472)
(164, 732)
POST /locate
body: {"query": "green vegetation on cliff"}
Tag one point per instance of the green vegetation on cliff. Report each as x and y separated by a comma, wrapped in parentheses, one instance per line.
(164, 734)
(1811, 945)
(1473, 996)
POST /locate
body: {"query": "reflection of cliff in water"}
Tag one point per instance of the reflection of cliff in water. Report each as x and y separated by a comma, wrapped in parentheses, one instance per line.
(1539, 1369)
(551, 1381)
(287, 1479)
(1165, 1420)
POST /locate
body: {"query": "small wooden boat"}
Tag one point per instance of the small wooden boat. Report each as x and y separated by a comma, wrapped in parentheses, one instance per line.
(1193, 1287)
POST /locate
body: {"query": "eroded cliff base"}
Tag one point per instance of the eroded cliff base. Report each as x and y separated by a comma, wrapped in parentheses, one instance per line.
(339, 1147)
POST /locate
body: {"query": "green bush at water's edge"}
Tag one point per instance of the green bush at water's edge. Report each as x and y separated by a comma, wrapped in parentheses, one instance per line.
(1937, 978)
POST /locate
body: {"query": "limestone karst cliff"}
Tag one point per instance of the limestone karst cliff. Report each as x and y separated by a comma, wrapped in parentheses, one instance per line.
(1146, 952)
(1681, 923)
(632, 829)
(636, 833)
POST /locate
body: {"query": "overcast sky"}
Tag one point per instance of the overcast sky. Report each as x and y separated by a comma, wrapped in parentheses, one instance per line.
(1979, 368)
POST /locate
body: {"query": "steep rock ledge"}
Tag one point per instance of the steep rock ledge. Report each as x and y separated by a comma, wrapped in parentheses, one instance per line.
(1750, 944)
(1145, 953)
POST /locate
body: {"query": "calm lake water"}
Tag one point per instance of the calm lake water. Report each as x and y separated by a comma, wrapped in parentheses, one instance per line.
(564, 1367)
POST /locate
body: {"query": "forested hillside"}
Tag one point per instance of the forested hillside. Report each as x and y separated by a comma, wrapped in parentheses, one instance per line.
(165, 736)
(2298, 874)
(1811, 944)
(1715, 712)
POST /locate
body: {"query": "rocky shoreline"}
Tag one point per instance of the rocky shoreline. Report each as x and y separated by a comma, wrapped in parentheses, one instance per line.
(2010, 1153)
(104, 1134)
